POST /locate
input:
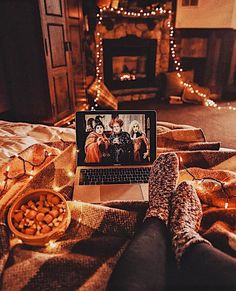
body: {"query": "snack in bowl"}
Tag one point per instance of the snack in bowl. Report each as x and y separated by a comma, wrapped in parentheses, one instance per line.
(39, 216)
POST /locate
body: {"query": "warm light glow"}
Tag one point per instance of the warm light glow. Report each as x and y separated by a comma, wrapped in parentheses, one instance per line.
(19, 241)
(178, 68)
(25, 172)
(124, 13)
(15, 241)
(70, 174)
(206, 102)
(199, 185)
(51, 245)
(56, 188)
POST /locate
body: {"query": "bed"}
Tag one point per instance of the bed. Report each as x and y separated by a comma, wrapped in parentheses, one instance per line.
(38, 156)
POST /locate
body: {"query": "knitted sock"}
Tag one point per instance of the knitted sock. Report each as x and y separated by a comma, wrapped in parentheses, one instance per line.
(162, 182)
(185, 219)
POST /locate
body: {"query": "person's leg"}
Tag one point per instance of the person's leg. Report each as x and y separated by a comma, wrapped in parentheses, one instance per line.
(143, 264)
(203, 267)
(207, 268)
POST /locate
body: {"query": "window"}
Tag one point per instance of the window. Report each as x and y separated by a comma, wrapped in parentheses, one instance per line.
(189, 2)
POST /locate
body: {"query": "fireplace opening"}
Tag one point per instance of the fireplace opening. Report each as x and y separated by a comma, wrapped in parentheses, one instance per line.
(126, 68)
(129, 62)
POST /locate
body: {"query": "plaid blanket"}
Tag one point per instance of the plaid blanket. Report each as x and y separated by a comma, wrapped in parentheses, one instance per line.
(172, 137)
(85, 256)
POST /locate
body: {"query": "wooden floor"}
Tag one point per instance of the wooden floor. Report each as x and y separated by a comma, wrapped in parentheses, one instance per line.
(218, 125)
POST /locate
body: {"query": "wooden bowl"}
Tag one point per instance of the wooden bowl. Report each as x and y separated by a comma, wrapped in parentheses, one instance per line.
(38, 239)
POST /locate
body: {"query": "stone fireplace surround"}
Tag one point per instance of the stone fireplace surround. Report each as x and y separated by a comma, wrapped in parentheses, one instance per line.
(116, 27)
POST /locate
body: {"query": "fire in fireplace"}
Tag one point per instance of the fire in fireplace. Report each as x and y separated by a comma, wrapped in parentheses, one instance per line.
(129, 62)
(125, 68)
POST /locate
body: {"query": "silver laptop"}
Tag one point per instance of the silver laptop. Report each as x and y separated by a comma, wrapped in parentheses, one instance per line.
(115, 151)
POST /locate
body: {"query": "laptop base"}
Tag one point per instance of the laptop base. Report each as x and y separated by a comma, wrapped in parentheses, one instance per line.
(104, 193)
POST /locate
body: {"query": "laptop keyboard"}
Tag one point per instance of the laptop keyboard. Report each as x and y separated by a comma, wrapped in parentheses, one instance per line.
(114, 176)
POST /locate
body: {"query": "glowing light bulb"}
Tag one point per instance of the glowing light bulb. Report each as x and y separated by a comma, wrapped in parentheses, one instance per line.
(226, 205)
(56, 188)
(200, 187)
(70, 174)
(52, 244)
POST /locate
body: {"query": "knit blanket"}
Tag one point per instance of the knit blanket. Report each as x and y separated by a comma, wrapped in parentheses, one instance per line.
(85, 256)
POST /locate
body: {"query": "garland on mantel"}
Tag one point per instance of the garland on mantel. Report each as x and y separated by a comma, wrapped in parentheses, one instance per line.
(177, 65)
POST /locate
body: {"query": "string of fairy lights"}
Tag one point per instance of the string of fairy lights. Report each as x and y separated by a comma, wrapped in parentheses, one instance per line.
(30, 173)
(99, 79)
(122, 12)
(200, 183)
(25, 172)
(99, 45)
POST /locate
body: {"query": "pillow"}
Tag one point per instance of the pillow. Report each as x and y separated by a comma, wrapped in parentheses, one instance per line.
(106, 99)
(190, 97)
(173, 85)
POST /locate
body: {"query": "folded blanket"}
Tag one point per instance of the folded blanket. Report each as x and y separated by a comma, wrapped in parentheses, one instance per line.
(172, 137)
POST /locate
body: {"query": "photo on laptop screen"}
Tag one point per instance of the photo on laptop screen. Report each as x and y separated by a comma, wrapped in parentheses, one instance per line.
(115, 138)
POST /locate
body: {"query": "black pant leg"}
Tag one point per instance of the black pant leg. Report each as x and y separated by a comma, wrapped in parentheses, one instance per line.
(207, 268)
(143, 264)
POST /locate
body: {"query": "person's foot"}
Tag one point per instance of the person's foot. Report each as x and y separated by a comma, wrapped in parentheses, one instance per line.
(185, 219)
(162, 182)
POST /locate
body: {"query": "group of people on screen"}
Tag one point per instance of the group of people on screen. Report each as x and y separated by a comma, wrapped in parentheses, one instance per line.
(120, 147)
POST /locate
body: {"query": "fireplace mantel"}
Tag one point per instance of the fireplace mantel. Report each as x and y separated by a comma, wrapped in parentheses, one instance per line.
(110, 18)
(111, 14)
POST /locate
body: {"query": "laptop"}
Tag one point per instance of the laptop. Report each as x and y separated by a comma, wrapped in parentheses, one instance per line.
(115, 151)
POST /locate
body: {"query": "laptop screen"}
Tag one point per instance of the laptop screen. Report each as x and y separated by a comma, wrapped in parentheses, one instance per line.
(116, 137)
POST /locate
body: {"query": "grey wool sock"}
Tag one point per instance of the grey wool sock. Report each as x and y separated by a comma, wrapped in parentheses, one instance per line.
(185, 219)
(162, 182)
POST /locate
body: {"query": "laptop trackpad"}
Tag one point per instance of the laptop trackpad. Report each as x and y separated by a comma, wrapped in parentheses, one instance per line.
(121, 192)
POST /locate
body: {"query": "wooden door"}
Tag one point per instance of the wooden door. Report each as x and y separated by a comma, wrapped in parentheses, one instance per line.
(74, 19)
(58, 59)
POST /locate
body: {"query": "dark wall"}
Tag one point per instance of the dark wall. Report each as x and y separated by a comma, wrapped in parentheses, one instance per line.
(213, 69)
(4, 103)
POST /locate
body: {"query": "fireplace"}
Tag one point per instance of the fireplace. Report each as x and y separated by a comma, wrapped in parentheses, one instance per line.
(129, 62)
